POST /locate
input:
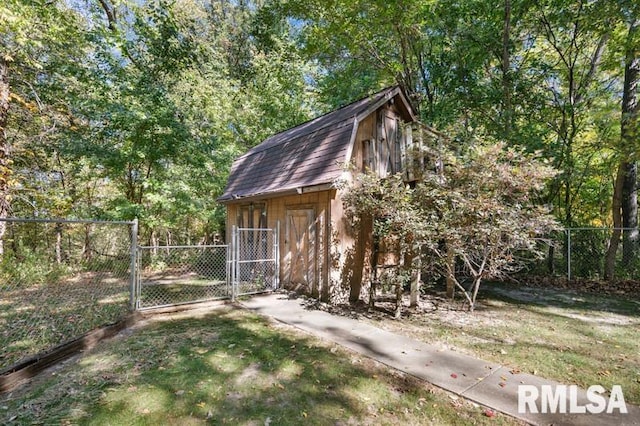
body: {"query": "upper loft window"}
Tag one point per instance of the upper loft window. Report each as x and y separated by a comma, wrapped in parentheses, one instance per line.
(252, 215)
(386, 153)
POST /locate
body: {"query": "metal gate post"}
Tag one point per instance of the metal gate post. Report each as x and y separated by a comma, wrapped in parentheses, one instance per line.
(139, 252)
(234, 262)
(569, 254)
(133, 287)
(276, 256)
(229, 267)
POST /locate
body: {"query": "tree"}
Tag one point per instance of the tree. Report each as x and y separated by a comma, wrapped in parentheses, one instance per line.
(484, 211)
(39, 47)
(625, 198)
(481, 209)
(388, 205)
(5, 169)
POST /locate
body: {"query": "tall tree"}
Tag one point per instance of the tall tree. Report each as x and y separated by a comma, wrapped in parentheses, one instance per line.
(625, 197)
(5, 169)
(629, 139)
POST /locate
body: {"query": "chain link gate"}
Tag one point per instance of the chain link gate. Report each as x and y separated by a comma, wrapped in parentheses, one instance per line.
(176, 275)
(255, 260)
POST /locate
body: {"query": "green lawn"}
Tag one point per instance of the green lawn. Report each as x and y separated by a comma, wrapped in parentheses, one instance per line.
(228, 366)
(566, 336)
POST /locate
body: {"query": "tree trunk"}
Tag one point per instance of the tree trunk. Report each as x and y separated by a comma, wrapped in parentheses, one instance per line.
(507, 115)
(5, 170)
(551, 264)
(629, 135)
(374, 272)
(451, 267)
(610, 258)
(87, 249)
(629, 213)
(58, 230)
(416, 266)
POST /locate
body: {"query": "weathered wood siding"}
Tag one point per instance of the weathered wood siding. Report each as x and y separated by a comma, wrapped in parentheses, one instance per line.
(342, 251)
(277, 209)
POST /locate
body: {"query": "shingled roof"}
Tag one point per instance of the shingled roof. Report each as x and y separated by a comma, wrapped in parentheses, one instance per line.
(308, 155)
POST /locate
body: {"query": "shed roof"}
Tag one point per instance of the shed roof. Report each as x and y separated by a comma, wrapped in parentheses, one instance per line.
(310, 154)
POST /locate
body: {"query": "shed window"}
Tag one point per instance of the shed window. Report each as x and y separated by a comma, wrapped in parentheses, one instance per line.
(386, 153)
(253, 244)
(252, 215)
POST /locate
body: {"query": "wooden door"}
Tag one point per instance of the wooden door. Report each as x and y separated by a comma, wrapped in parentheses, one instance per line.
(300, 258)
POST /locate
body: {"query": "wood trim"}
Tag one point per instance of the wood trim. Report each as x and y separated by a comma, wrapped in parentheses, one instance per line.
(352, 140)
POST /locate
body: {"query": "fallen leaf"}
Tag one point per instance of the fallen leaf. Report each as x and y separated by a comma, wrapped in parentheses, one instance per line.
(454, 375)
(502, 384)
(304, 414)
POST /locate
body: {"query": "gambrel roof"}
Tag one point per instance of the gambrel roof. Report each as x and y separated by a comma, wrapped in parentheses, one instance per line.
(310, 155)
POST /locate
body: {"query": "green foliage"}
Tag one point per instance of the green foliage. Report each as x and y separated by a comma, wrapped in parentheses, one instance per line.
(548, 78)
(141, 114)
(481, 208)
(31, 268)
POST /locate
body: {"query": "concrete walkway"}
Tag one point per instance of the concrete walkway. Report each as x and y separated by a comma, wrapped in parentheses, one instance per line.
(486, 383)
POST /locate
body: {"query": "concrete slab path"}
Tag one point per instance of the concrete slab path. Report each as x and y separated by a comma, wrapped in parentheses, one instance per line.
(486, 383)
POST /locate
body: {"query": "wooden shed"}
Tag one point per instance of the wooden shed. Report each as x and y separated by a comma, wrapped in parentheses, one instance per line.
(289, 179)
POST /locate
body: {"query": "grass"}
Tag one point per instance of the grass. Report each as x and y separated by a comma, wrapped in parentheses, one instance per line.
(565, 336)
(229, 366)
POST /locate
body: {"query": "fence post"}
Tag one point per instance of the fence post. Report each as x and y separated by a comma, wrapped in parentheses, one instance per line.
(569, 254)
(133, 299)
(234, 261)
(276, 256)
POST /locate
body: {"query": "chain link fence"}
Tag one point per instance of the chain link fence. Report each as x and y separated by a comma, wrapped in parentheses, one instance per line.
(174, 275)
(59, 280)
(590, 254)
